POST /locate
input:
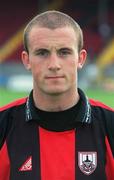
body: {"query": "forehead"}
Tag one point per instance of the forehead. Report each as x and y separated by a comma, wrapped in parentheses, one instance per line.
(45, 37)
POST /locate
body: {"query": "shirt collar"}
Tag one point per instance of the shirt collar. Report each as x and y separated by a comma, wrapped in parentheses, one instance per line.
(83, 116)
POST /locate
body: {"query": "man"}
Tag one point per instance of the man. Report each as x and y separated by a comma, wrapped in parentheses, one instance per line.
(56, 133)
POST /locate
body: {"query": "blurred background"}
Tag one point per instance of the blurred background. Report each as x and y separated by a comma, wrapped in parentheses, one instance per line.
(96, 18)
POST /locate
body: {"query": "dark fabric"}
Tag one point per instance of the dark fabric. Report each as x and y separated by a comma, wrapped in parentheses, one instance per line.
(23, 142)
(89, 135)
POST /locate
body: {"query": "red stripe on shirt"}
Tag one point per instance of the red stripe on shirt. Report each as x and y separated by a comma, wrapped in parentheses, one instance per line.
(109, 161)
(100, 104)
(57, 153)
(12, 104)
(4, 163)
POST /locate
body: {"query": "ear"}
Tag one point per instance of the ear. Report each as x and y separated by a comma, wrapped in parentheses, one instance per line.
(82, 58)
(25, 60)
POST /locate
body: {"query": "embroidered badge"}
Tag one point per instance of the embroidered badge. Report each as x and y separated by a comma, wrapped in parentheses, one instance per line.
(27, 166)
(87, 162)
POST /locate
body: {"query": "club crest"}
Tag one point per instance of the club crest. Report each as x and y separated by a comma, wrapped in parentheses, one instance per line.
(87, 162)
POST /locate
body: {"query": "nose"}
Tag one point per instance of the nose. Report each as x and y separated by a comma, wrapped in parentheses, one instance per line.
(54, 62)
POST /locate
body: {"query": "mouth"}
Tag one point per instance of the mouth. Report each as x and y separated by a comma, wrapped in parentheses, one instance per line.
(54, 77)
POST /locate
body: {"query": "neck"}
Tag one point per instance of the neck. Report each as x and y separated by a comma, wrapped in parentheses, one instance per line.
(55, 103)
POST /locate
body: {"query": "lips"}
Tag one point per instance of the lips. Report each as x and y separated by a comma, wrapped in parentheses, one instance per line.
(54, 77)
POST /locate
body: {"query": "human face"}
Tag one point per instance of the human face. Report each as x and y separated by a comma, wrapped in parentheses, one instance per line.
(53, 60)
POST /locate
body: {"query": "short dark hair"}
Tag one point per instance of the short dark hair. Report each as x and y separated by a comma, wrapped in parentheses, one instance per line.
(52, 20)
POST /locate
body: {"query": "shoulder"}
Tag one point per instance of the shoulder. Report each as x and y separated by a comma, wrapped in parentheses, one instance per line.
(100, 105)
(7, 111)
(13, 104)
(105, 115)
(102, 112)
(6, 114)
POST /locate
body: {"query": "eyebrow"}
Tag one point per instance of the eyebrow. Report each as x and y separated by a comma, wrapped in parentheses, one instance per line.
(65, 48)
(40, 49)
(48, 49)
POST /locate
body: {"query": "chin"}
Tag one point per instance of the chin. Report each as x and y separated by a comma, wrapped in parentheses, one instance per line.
(55, 91)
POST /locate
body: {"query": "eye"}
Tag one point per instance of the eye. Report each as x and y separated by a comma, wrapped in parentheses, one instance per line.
(64, 52)
(42, 52)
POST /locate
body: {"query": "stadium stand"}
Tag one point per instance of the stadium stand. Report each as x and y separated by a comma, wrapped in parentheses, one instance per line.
(15, 14)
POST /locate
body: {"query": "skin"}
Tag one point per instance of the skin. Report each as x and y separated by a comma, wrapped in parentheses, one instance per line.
(54, 61)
